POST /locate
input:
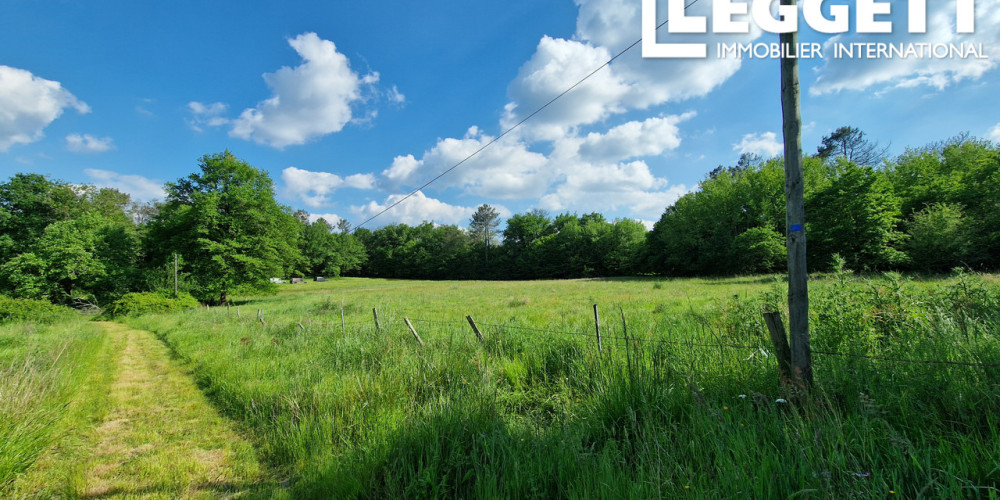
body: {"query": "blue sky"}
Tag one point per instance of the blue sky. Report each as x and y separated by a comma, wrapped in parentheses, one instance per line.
(350, 105)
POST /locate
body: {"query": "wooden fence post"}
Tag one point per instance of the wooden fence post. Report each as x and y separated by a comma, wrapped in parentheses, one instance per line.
(378, 327)
(343, 326)
(780, 341)
(475, 328)
(597, 326)
(412, 330)
(237, 312)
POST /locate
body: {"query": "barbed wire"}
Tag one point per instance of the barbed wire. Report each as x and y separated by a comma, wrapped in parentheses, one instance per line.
(639, 339)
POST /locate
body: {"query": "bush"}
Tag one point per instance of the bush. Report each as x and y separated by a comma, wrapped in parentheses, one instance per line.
(939, 237)
(137, 304)
(41, 311)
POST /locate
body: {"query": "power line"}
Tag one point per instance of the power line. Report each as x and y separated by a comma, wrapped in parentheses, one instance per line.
(515, 126)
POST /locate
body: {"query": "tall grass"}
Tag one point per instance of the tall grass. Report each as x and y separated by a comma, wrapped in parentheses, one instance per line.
(683, 399)
(41, 366)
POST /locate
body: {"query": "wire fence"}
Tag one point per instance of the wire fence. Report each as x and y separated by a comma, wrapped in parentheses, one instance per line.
(767, 349)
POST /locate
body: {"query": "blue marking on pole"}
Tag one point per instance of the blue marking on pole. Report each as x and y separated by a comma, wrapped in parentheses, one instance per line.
(796, 227)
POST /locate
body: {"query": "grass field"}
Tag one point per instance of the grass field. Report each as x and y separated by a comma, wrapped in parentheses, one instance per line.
(683, 399)
(42, 366)
(669, 407)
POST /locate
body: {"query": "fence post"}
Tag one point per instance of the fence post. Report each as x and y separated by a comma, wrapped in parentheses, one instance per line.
(237, 312)
(780, 341)
(412, 330)
(597, 326)
(378, 327)
(343, 326)
(475, 328)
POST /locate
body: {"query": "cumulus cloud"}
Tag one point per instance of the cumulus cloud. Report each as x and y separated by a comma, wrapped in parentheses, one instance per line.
(765, 144)
(331, 219)
(556, 65)
(504, 170)
(624, 186)
(314, 188)
(419, 208)
(138, 187)
(995, 133)
(309, 101)
(87, 143)
(884, 74)
(210, 115)
(635, 139)
(587, 165)
(28, 104)
(604, 28)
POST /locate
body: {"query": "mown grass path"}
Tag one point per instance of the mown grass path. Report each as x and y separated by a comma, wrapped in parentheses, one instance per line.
(150, 434)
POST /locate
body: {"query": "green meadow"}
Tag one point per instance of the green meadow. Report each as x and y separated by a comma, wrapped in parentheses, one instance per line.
(682, 399)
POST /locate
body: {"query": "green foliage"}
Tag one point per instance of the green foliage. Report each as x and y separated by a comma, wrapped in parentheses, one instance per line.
(760, 250)
(963, 172)
(62, 243)
(225, 222)
(482, 226)
(140, 303)
(938, 237)
(849, 143)
(705, 232)
(38, 311)
(329, 254)
(856, 216)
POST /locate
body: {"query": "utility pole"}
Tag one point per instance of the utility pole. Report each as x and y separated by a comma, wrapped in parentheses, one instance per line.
(795, 218)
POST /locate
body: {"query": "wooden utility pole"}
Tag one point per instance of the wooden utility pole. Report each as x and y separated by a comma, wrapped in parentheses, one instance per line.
(795, 219)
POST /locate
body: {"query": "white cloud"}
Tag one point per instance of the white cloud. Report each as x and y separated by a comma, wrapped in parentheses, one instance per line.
(331, 219)
(765, 144)
(137, 186)
(884, 74)
(994, 133)
(506, 169)
(604, 28)
(207, 115)
(417, 209)
(556, 65)
(624, 186)
(309, 101)
(635, 139)
(395, 96)
(87, 143)
(314, 188)
(587, 165)
(28, 104)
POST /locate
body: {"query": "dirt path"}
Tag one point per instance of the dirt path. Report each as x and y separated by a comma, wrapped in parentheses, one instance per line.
(153, 435)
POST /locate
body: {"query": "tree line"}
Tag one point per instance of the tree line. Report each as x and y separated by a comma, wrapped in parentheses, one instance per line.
(930, 209)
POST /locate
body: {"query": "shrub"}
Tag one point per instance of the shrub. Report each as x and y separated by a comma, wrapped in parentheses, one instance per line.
(938, 237)
(41, 311)
(137, 304)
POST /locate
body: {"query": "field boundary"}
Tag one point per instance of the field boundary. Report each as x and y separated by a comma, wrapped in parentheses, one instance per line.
(462, 323)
